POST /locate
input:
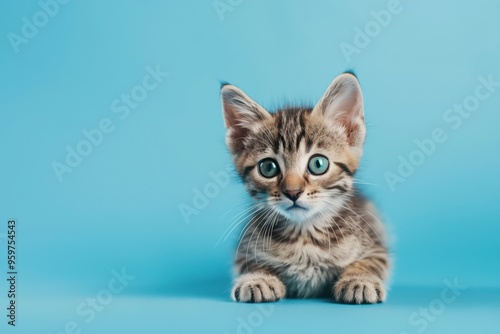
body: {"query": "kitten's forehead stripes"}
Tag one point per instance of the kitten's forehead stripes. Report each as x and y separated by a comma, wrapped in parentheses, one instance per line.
(309, 144)
(279, 125)
(291, 127)
(302, 132)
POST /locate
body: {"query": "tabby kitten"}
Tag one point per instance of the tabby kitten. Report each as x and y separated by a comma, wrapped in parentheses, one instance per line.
(311, 234)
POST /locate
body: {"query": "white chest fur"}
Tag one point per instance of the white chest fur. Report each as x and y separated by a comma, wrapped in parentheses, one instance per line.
(309, 270)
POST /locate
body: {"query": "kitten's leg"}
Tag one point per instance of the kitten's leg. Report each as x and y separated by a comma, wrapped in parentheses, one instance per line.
(258, 287)
(363, 281)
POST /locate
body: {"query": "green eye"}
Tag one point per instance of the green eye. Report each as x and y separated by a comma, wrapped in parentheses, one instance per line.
(318, 165)
(269, 168)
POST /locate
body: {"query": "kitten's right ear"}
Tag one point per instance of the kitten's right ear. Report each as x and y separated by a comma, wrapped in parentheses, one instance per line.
(241, 113)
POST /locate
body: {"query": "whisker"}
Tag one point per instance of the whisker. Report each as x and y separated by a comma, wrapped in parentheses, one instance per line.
(369, 225)
(246, 213)
(257, 220)
(358, 181)
(234, 207)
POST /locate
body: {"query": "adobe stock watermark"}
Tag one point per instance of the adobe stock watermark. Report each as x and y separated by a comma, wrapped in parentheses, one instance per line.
(120, 108)
(363, 37)
(32, 25)
(424, 316)
(88, 309)
(202, 196)
(453, 117)
(221, 7)
(255, 319)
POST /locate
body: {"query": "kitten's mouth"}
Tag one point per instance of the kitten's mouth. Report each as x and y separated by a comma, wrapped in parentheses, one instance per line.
(297, 213)
(295, 207)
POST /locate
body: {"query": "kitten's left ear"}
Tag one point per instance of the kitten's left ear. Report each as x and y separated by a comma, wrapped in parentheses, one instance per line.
(342, 104)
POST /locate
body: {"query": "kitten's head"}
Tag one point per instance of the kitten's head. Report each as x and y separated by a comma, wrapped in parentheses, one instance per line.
(298, 162)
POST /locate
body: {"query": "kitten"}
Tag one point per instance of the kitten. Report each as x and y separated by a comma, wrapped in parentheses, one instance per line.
(311, 234)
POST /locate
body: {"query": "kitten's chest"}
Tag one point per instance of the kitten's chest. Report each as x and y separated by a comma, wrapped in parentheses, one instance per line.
(305, 269)
(308, 269)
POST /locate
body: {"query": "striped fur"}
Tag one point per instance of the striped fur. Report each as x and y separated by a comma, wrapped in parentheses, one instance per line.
(330, 243)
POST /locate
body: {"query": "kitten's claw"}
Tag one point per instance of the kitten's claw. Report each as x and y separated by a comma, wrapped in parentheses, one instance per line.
(359, 290)
(258, 288)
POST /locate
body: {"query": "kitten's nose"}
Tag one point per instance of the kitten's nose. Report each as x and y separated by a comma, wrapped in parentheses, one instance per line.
(292, 194)
(292, 186)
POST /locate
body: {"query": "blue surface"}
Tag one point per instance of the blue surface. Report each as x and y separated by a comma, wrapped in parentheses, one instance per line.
(121, 206)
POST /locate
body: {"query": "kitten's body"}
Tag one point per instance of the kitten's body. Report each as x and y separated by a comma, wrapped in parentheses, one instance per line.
(310, 234)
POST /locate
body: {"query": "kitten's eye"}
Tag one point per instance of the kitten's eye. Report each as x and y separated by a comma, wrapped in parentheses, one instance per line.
(318, 165)
(269, 168)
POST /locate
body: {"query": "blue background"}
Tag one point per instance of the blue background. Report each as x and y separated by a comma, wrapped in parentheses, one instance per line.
(120, 208)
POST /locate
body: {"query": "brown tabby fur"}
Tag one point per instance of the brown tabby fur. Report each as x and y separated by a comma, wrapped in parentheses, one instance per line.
(333, 244)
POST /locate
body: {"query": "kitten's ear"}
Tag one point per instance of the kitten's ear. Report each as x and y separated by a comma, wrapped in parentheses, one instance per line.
(241, 113)
(342, 104)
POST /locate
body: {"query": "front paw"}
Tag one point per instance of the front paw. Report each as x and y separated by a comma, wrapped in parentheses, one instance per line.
(359, 290)
(258, 288)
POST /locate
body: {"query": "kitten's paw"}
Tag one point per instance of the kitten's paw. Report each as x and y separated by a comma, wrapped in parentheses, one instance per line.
(359, 290)
(258, 288)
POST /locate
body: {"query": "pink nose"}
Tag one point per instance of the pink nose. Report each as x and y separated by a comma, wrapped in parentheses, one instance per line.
(292, 194)
(292, 186)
